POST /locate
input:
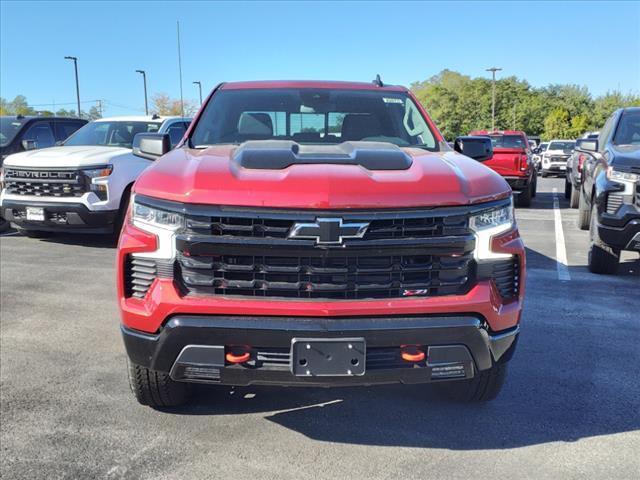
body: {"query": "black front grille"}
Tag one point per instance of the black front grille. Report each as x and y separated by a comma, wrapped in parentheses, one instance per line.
(336, 277)
(45, 183)
(279, 226)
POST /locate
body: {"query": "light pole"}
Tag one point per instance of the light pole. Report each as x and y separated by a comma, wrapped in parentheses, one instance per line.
(144, 78)
(75, 65)
(493, 71)
(199, 89)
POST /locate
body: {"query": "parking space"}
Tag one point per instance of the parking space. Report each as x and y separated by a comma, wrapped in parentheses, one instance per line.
(570, 408)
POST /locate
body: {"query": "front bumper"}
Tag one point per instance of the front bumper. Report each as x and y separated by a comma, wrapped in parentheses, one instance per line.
(456, 347)
(621, 232)
(60, 217)
(554, 167)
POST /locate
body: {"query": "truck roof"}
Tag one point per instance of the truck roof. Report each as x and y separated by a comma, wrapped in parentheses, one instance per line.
(310, 84)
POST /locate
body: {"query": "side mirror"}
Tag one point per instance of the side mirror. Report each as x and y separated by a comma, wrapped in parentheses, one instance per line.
(151, 145)
(587, 144)
(29, 144)
(478, 148)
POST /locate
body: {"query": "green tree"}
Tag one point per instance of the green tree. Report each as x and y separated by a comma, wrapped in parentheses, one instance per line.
(557, 124)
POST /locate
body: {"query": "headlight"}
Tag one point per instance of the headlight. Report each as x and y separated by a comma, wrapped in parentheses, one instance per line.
(104, 171)
(144, 215)
(622, 176)
(97, 180)
(487, 225)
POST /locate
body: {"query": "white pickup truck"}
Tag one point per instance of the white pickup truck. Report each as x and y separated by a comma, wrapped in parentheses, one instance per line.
(82, 185)
(554, 159)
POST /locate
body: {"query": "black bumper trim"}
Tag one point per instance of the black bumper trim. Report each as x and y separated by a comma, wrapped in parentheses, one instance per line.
(160, 351)
(79, 217)
(620, 238)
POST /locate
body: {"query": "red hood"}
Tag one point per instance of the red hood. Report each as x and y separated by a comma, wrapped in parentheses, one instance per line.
(210, 177)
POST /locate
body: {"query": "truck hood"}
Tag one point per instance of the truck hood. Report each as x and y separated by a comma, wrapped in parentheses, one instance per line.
(80, 156)
(211, 177)
(626, 156)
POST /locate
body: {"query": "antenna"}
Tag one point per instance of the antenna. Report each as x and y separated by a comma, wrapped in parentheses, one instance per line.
(378, 81)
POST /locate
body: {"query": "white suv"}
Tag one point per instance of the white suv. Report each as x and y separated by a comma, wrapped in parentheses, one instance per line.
(84, 184)
(554, 159)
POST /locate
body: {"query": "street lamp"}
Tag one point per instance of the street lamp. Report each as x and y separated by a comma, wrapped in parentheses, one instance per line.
(75, 65)
(144, 78)
(200, 89)
(493, 71)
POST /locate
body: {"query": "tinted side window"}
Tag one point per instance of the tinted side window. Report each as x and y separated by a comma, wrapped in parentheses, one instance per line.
(63, 130)
(176, 132)
(606, 131)
(41, 133)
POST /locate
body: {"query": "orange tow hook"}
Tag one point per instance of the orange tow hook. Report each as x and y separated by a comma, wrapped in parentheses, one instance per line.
(411, 353)
(238, 355)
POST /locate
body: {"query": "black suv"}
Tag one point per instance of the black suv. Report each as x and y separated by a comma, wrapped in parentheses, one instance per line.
(20, 133)
(609, 204)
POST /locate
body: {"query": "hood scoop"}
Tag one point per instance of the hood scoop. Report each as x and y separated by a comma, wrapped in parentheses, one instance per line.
(280, 154)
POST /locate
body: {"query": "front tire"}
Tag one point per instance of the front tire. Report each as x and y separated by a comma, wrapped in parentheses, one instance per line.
(544, 174)
(602, 258)
(524, 199)
(484, 387)
(156, 389)
(567, 189)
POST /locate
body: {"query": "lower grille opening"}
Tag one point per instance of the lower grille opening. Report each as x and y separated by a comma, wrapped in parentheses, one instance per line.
(614, 201)
(378, 358)
(506, 275)
(139, 275)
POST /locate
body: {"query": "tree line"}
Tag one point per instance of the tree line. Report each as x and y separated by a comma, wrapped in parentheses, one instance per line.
(161, 104)
(459, 104)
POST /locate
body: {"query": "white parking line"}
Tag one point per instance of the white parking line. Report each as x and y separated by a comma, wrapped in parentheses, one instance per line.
(561, 250)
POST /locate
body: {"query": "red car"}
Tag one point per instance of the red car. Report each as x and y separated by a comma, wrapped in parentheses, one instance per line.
(318, 234)
(512, 160)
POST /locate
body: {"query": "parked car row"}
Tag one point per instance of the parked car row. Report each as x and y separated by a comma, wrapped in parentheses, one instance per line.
(605, 187)
(84, 183)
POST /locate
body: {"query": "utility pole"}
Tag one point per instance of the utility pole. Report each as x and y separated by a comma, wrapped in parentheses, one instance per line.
(515, 105)
(180, 70)
(199, 89)
(75, 65)
(100, 107)
(493, 71)
(144, 78)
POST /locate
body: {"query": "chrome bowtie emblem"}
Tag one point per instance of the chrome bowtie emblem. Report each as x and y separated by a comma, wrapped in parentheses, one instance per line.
(328, 230)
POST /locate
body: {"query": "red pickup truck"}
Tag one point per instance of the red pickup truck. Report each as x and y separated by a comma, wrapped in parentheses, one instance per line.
(318, 234)
(512, 160)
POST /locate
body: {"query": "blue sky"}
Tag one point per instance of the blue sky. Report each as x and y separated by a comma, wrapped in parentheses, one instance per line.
(596, 44)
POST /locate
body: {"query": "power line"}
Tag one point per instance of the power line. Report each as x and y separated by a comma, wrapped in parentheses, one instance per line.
(56, 104)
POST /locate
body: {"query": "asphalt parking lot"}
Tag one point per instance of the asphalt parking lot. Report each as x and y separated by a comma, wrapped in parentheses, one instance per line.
(570, 408)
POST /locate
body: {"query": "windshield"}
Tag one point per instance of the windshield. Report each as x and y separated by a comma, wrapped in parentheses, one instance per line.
(111, 134)
(562, 145)
(628, 131)
(9, 128)
(312, 116)
(507, 141)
